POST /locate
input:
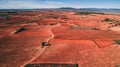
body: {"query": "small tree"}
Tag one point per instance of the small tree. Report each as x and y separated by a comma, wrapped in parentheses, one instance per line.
(106, 19)
(117, 42)
(43, 44)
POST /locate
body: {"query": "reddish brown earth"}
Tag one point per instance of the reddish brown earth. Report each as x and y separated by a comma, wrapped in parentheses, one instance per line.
(85, 40)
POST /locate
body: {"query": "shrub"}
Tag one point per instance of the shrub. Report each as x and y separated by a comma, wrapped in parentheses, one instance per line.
(107, 20)
(117, 41)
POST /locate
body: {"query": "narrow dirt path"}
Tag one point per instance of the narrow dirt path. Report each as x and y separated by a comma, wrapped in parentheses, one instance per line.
(41, 51)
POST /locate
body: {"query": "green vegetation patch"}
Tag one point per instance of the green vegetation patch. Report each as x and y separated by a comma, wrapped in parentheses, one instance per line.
(117, 42)
(111, 21)
(83, 13)
(108, 20)
(86, 13)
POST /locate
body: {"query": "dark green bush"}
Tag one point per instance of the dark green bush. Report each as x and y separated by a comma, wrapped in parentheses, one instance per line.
(107, 20)
(117, 41)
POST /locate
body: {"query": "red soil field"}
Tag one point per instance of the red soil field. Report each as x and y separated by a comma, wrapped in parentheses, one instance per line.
(85, 40)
